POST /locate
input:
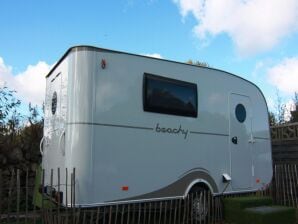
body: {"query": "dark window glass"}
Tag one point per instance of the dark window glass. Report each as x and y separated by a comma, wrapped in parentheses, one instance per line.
(54, 103)
(169, 96)
(240, 113)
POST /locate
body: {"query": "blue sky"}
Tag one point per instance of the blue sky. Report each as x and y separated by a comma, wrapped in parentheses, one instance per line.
(255, 39)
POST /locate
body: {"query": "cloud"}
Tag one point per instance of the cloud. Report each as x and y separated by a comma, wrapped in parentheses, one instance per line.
(154, 55)
(253, 25)
(285, 75)
(29, 84)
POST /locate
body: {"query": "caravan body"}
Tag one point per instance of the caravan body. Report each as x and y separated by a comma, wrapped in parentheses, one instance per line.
(137, 128)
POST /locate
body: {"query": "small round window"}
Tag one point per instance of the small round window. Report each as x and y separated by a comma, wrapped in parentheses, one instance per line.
(240, 113)
(54, 103)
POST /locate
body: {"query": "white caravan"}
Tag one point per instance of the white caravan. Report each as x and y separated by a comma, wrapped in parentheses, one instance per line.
(137, 128)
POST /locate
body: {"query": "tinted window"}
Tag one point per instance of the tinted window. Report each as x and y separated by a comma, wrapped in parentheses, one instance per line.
(169, 96)
(240, 113)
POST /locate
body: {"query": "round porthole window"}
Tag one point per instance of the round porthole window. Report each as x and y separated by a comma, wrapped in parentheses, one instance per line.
(54, 103)
(240, 113)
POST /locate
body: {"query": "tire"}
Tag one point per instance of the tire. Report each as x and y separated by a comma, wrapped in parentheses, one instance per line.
(199, 204)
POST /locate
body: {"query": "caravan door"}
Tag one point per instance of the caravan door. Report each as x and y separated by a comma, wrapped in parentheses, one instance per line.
(240, 133)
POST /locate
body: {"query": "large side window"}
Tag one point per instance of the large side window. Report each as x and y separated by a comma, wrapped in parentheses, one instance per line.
(169, 96)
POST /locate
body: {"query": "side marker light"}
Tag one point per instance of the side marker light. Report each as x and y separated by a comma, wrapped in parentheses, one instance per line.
(124, 188)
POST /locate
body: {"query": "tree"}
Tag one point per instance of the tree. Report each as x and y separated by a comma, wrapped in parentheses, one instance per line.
(280, 109)
(20, 133)
(294, 114)
(9, 114)
(272, 119)
(198, 63)
(278, 117)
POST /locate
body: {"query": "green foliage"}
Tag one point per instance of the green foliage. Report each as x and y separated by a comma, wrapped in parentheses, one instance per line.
(270, 215)
(9, 114)
(198, 63)
(280, 109)
(234, 206)
(294, 113)
(272, 119)
(20, 133)
(278, 117)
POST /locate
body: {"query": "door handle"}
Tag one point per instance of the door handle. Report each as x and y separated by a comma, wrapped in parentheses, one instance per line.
(252, 139)
(235, 140)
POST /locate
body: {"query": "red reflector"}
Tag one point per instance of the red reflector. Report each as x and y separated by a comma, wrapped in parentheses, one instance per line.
(103, 63)
(124, 188)
(258, 180)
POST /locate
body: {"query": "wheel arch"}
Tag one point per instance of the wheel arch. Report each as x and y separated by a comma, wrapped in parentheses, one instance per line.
(198, 182)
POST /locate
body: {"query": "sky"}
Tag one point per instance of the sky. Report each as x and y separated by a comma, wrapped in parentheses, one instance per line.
(254, 39)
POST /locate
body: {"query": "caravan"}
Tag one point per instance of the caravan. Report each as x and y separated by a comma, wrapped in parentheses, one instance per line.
(137, 128)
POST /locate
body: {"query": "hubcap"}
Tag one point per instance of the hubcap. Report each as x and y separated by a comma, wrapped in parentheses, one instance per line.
(199, 207)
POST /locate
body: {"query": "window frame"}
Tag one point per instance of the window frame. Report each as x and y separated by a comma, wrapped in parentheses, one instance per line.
(149, 108)
(239, 117)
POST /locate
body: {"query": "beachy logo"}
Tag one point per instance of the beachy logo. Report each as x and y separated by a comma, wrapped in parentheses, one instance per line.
(177, 131)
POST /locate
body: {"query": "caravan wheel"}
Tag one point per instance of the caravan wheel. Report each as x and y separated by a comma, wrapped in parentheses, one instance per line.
(199, 204)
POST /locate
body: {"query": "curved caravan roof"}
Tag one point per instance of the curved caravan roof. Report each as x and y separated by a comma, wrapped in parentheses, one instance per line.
(92, 48)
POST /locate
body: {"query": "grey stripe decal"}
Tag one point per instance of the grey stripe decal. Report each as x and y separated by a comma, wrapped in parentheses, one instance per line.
(142, 128)
(176, 189)
(112, 125)
(262, 138)
(207, 133)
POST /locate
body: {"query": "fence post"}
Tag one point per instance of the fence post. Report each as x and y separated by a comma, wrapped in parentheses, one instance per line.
(34, 204)
(18, 195)
(209, 207)
(71, 177)
(296, 178)
(155, 211)
(73, 194)
(179, 211)
(66, 194)
(294, 185)
(145, 213)
(278, 185)
(42, 195)
(66, 187)
(1, 183)
(116, 214)
(282, 184)
(59, 195)
(290, 185)
(50, 213)
(26, 199)
(170, 215)
(9, 195)
(74, 190)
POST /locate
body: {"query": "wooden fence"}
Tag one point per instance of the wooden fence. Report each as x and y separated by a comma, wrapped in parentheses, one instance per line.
(162, 212)
(285, 143)
(17, 196)
(285, 184)
(285, 132)
(18, 199)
